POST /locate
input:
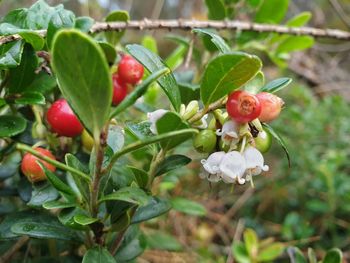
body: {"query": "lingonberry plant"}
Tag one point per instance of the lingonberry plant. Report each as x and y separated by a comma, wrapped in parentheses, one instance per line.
(91, 144)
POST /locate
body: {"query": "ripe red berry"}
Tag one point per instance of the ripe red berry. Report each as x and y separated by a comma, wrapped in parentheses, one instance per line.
(120, 90)
(31, 169)
(271, 106)
(130, 70)
(243, 106)
(63, 120)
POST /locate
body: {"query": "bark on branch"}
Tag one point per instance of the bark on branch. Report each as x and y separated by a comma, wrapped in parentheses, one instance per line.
(184, 24)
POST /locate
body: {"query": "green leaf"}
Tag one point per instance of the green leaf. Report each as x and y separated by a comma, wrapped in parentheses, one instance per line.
(162, 241)
(295, 43)
(41, 193)
(42, 83)
(132, 246)
(39, 15)
(296, 256)
(109, 51)
(189, 92)
(240, 253)
(333, 256)
(9, 164)
(272, 11)
(255, 84)
(11, 54)
(226, 73)
(140, 89)
(128, 194)
(279, 140)
(115, 138)
(150, 43)
(21, 76)
(84, 220)
(188, 207)
(59, 20)
(84, 23)
(30, 98)
(154, 63)
(155, 208)
(89, 90)
(218, 41)
(172, 162)
(98, 255)
(34, 39)
(271, 252)
(251, 242)
(276, 85)
(216, 9)
(171, 121)
(16, 17)
(116, 16)
(57, 205)
(141, 176)
(11, 125)
(66, 217)
(299, 20)
(140, 130)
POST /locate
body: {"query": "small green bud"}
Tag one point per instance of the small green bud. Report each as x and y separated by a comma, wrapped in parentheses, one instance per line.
(212, 124)
(220, 116)
(205, 141)
(191, 109)
(39, 130)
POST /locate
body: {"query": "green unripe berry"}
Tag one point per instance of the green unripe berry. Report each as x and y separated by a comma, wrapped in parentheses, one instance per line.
(205, 141)
(263, 141)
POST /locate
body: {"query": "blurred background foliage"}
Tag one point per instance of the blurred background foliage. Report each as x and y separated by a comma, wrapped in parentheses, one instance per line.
(307, 205)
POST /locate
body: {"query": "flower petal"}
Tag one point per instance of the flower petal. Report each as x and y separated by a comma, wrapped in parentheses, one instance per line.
(153, 117)
(232, 167)
(211, 165)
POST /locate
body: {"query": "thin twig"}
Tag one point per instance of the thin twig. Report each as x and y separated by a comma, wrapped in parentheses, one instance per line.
(17, 246)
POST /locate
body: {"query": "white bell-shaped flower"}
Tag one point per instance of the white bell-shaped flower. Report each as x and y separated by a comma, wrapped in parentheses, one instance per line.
(232, 167)
(254, 161)
(153, 117)
(212, 167)
(229, 132)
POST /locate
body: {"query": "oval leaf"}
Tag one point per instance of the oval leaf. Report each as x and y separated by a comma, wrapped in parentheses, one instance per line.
(30, 98)
(11, 125)
(226, 73)
(218, 41)
(276, 85)
(155, 208)
(333, 256)
(128, 194)
(171, 163)
(84, 220)
(98, 255)
(188, 207)
(271, 252)
(83, 76)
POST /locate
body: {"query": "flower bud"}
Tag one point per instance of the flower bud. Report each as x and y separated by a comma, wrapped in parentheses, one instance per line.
(39, 130)
(205, 141)
(271, 106)
(191, 109)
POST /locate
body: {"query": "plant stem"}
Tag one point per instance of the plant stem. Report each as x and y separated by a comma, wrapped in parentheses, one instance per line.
(213, 106)
(55, 163)
(159, 157)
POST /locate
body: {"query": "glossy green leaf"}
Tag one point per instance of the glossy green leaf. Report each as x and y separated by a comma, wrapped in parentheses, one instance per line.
(189, 92)
(154, 63)
(84, 220)
(115, 138)
(271, 252)
(59, 20)
(218, 41)
(255, 84)
(171, 121)
(172, 162)
(84, 23)
(66, 217)
(141, 176)
(162, 241)
(150, 43)
(30, 98)
(10, 54)
(299, 20)
(188, 207)
(132, 246)
(109, 51)
(42, 83)
(128, 194)
(41, 193)
(272, 11)
(11, 125)
(98, 255)
(140, 89)
(116, 16)
(140, 130)
(295, 43)
(279, 139)
(57, 205)
(240, 253)
(34, 39)
(16, 17)
(251, 241)
(9, 164)
(226, 73)
(216, 9)
(39, 15)
(89, 90)
(276, 85)
(156, 207)
(333, 256)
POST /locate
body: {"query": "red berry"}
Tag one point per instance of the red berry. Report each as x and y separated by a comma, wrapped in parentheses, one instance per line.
(130, 70)
(31, 169)
(120, 90)
(63, 120)
(243, 106)
(271, 106)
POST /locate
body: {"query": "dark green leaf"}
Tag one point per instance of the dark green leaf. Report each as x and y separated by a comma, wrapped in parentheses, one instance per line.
(132, 246)
(295, 43)
(216, 9)
(42, 83)
(57, 205)
(171, 121)
(11, 125)
(255, 84)
(84, 220)
(39, 15)
(116, 16)
(9, 165)
(272, 11)
(188, 207)
(226, 73)
(154, 63)
(140, 130)
(141, 176)
(162, 241)
(89, 90)
(189, 92)
(279, 140)
(109, 51)
(16, 17)
(333, 256)
(271, 252)
(218, 41)
(34, 39)
(84, 23)
(276, 85)
(299, 20)
(98, 255)
(30, 98)
(11, 54)
(155, 208)
(128, 194)
(41, 193)
(240, 252)
(59, 20)
(172, 162)
(295, 255)
(66, 217)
